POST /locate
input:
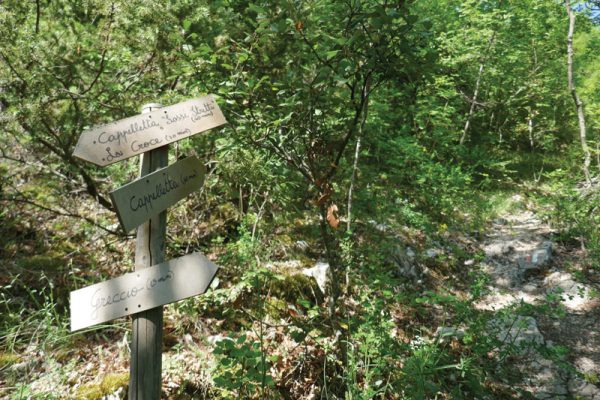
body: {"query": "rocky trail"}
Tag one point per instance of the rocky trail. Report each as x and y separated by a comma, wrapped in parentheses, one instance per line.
(526, 267)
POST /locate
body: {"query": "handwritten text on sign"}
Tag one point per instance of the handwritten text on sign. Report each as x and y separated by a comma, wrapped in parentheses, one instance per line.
(141, 290)
(116, 141)
(137, 201)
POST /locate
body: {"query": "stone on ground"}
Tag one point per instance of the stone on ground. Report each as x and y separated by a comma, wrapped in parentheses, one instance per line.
(518, 260)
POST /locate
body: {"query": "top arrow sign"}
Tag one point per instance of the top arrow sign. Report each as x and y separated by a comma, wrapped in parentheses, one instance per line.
(119, 140)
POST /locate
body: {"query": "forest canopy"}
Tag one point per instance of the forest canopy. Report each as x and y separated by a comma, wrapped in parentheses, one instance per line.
(353, 126)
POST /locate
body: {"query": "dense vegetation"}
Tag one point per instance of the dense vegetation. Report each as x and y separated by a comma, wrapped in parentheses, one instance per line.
(355, 129)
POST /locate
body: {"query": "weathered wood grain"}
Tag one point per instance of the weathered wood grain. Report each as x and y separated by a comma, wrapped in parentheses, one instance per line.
(141, 290)
(119, 140)
(145, 366)
(137, 201)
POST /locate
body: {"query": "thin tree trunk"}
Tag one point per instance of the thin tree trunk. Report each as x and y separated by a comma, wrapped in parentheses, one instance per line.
(37, 16)
(530, 128)
(530, 111)
(357, 151)
(499, 131)
(352, 179)
(576, 99)
(476, 92)
(598, 154)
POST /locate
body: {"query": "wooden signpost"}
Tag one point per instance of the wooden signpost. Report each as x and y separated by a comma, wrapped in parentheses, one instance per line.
(142, 290)
(143, 203)
(137, 201)
(117, 141)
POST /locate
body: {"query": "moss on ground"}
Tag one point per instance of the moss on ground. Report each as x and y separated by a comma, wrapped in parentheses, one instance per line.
(294, 287)
(47, 263)
(276, 308)
(109, 384)
(8, 359)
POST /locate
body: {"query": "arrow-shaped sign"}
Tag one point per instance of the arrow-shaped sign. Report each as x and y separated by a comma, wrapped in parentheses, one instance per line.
(119, 140)
(139, 200)
(141, 290)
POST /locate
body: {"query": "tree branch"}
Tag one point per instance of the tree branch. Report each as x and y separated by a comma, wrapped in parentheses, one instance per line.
(291, 160)
(60, 213)
(14, 71)
(37, 16)
(104, 51)
(90, 184)
(355, 122)
(321, 60)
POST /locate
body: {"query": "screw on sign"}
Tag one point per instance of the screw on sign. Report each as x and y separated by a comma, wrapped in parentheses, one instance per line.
(143, 204)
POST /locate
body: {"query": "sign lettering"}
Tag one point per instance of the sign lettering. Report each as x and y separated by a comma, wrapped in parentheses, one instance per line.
(139, 200)
(119, 140)
(142, 290)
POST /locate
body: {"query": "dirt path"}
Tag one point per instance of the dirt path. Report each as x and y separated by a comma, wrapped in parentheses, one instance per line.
(525, 266)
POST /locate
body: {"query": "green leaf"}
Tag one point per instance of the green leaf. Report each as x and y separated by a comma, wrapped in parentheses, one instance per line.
(241, 339)
(257, 9)
(304, 303)
(225, 361)
(331, 54)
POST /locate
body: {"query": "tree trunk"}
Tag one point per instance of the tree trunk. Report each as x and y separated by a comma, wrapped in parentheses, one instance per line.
(598, 154)
(476, 92)
(576, 99)
(361, 128)
(530, 128)
(332, 254)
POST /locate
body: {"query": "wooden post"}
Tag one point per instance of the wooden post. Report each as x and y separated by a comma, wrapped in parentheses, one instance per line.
(146, 135)
(146, 347)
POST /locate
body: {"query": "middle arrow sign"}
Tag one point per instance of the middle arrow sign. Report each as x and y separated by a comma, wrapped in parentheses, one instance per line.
(139, 200)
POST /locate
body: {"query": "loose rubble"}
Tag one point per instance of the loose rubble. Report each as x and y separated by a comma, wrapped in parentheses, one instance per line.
(519, 261)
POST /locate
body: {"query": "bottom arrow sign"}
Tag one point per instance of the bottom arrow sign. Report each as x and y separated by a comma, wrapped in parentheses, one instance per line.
(141, 290)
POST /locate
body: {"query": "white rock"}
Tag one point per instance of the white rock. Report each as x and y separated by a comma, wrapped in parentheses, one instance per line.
(585, 365)
(321, 274)
(582, 389)
(18, 367)
(379, 226)
(405, 264)
(574, 294)
(117, 395)
(188, 339)
(518, 331)
(431, 253)
(302, 245)
(446, 332)
(214, 339)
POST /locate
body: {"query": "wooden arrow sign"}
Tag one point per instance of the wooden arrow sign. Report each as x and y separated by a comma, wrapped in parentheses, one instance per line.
(141, 290)
(119, 140)
(139, 200)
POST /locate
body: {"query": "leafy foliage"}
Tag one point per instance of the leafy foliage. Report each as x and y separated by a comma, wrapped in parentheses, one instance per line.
(454, 104)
